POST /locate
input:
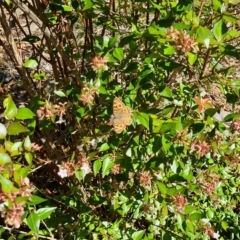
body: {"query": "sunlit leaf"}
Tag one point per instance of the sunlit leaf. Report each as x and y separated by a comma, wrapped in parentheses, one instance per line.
(106, 166)
(4, 158)
(118, 53)
(31, 63)
(10, 108)
(15, 128)
(138, 235)
(97, 166)
(24, 113)
(3, 131)
(67, 8)
(44, 213)
(33, 222)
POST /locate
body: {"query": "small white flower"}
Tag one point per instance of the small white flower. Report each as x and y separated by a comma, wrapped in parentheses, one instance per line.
(3, 207)
(85, 167)
(80, 148)
(93, 142)
(205, 220)
(62, 173)
(61, 120)
(216, 235)
(159, 176)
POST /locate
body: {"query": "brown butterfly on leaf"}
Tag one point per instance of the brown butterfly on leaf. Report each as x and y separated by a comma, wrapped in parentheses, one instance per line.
(121, 117)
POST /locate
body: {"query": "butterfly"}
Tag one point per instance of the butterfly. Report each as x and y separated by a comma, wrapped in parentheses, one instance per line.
(121, 115)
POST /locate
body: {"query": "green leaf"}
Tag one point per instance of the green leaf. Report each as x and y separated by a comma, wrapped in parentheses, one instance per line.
(27, 144)
(187, 173)
(162, 188)
(168, 50)
(31, 39)
(195, 216)
(28, 157)
(24, 171)
(180, 220)
(60, 93)
(234, 2)
(88, 4)
(228, 17)
(143, 119)
(16, 146)
(39, 75)
(138, 235)
(217, 30)
(132, 66)
(11, 109)
(96, 167)
(44, 213)
(102, 40)
(204, 35)
(118, 53)
(192, 58)
(4, 158)
(126, 40)
(174, 166)
(80, 174)
(224, 225)
(143, 75)
(24, 113)
(210, 214)
(36, 200)
(190, 226)
(104, 147)
(67, 8)
(164, 211)
(216, 5)
(3, 131)
(113, 41)
(6, 185)
(157, 143)
(31, 63)
(33, 222)
(165, 143)
(107, 165)
(231, 51)
(15, 128)
(129, 152)
(189, 209)
(168, 127)
(166, 92)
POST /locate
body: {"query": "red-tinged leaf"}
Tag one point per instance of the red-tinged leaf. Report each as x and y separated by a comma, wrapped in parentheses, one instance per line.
(203, 103)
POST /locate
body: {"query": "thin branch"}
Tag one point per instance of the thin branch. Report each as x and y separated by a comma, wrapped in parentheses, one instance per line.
(17, 59)
(49, 37)
(26, 233)
(205, 64)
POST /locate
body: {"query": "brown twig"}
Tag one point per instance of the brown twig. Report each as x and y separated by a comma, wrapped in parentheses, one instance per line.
(205, 63)
(14, 53)
(49, 37)
(26, 233)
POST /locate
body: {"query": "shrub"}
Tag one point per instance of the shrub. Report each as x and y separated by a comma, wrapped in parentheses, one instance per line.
(129, 126)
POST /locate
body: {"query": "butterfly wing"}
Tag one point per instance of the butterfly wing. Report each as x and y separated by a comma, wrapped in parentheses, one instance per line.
(127, 113)
(118, 105)
(121, 115)
(118, 125)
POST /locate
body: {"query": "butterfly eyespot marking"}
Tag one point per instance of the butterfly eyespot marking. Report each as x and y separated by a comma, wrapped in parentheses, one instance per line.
(118, 105)
(127, 122)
